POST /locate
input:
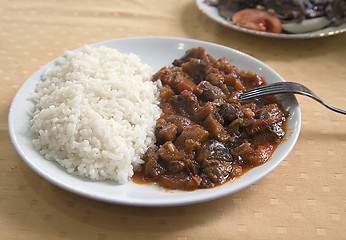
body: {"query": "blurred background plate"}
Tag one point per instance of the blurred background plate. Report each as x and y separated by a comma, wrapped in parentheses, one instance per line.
(212, 12)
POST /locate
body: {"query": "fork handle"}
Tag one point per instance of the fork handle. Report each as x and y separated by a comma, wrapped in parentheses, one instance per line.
(335, 109)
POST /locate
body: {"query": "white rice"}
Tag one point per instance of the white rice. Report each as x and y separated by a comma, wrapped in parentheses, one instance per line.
(95, 113)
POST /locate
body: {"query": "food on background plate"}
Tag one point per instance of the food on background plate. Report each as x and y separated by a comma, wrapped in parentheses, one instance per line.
(95, 113)
(295, 16)
(205, 135)
(264, 21)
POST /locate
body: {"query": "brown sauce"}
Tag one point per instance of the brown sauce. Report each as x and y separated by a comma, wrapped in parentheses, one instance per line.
(205, 135)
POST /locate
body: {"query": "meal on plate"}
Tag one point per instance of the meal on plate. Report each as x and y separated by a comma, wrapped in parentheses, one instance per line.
(95, 113)
(102, 114)
(205, 135)
(288, 16)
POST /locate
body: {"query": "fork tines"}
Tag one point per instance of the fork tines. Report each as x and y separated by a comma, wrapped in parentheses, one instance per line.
(265, 90)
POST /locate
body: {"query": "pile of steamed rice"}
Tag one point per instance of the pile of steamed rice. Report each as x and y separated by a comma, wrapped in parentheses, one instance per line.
(95, 113)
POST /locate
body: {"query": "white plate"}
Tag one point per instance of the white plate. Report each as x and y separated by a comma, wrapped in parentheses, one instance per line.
(213, 13)
(157, 52)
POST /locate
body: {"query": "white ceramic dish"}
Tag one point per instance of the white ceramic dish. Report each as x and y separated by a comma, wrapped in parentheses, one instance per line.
(212, 13)
(157, 52)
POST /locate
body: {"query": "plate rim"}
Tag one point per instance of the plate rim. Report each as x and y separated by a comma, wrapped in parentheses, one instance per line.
(141, 202)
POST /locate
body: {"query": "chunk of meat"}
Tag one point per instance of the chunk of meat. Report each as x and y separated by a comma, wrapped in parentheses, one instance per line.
(189, 102)
(243, 151)
(230, 112)
(167, 108)
(194, 132)
(168, 152)
(217, 171)
(215, 77)
(262, 154)
(166, 92)
(193, 167)
(255, 126)
(195, 63)
(171, 157)
(271, 113)
(175, 166)
(272, 134)
(196, 68)
(206, 182)
(209, 91)
(165, 131)
(206, 110)
(191, 145)
(179, 121)
(185, 84)
(185, 104)
(198, 53)
(216, 129)
(151, 167)
(234, 126)
(179, 181)
(224, 66)
(266, 116)
(165, 75)
(250, 79)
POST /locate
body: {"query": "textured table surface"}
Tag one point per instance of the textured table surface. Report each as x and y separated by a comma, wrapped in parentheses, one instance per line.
(304, 198)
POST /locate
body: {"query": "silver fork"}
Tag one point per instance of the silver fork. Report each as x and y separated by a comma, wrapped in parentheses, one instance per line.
(285, 87)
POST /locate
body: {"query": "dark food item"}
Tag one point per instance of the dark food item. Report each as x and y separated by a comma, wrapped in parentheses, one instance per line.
(287, 10)
(205, 136)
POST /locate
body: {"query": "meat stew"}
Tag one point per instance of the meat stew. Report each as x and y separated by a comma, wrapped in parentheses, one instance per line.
(205, 135)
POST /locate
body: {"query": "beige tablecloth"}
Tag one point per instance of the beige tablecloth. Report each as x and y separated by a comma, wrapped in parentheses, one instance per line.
(304, 198)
